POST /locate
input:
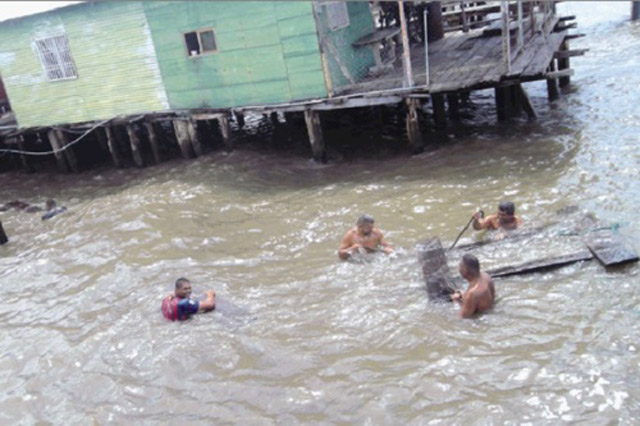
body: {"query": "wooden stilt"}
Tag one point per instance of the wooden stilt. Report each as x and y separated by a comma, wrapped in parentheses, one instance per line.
(413, 126)
(465, 97)
(514, 99)
(502, 103)
(23, 158)
(55, 145)
(3, 236)
(153, 141)
(192, 128)
(635, 10)
(225, 130)
(239, 119)
(69, 153)
(453, 100)
(525, 101)
(274, 119)
(439, 112)
(563, 64)
(113, 146)
(136, 148)
(314, 129)
(182, 136)
(552, 84)
(102, 140)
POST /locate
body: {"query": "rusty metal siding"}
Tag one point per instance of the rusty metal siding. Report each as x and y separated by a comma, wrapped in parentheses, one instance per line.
(115, 58)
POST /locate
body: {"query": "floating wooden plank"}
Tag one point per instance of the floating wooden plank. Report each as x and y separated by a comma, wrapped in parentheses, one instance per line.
(541, 264)
(435, 270)
(610, 249)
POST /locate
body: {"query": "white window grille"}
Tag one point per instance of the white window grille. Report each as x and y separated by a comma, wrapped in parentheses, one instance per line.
(337, 15)
(55, 57)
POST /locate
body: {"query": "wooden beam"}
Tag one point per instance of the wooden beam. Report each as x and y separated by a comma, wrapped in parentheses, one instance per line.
(56, 146)
(553, 92)
(112, 143)
(23, 158)
(541, 264)
(192, 128)
(153, 141)
(572, 36)
(413, 126)
(525, 101)
(610, 249)
(136, 150)
(635, 10)
(453, 101)
(69, 154)
(439, 111)
(182, 137)
(239, 116)
(569, 53)
(316, 139)
(225, 131)
(557, 74)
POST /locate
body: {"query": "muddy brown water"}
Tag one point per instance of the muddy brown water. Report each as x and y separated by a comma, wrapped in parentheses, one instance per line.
(83, 341)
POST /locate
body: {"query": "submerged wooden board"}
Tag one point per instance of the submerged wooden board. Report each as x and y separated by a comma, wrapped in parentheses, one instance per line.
(541, 264)
(434, 269)
(610, 249)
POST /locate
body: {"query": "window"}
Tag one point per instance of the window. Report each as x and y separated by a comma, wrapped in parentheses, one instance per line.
(200, 42)
(337, 15)
(55, 57)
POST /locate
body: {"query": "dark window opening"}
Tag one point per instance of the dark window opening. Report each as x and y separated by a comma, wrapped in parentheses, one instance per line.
(200, 42)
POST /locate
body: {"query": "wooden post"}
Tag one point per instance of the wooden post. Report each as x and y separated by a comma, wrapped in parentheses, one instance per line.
(274, 118)
(134, 141)
(413, 126)
(406, 53)
(439, 111)
(454, 106)
(515, 105)
(552, 84)
(239, 119)
(112, 143)
(3, 235)
(71, 156)
(182, 136)
(225, 131)
(502, 103)
(192, 128)
(55, 145)
(153, 141)
(102, 140)
(563, 64)
(314, 129)
(23, 158)
(525, 101)
(635, 10)
(506, 37)
(435, 25)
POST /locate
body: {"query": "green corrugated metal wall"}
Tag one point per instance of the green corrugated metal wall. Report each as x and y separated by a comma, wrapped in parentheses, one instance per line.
(267, 53)
(114, 56)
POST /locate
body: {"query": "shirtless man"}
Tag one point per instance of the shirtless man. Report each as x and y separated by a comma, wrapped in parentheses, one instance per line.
(179, 306)
(363, 237)
(504, 219)
(480, 294)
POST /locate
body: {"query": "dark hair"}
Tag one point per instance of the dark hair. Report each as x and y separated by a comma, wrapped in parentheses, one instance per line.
(472, 263)
(365, 218)
(51, 203)
(182, 281)
(507, 207)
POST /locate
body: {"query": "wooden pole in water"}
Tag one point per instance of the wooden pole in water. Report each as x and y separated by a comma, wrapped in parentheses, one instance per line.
(71, 156)
(23, 158)
(225, 131)
(192, 129)
(413, 126)
(552, 84)
(453, 101)
(113, 146)
(439, 111)
(239, 116)
(525, 101)
(55, 145)
(635, 10)
(563, 64)
(182, 136)
(502, 104)
(134, 141)
(406, 53)
(3, 235)
(316, 139)
(153, 141)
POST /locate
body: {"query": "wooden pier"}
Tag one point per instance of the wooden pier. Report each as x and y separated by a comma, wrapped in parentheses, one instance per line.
(471, 46)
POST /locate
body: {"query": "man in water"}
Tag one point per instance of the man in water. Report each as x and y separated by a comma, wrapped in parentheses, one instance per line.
(179, 306)
(480, 295)
(504, 219)
(53, 210)
(364, 238)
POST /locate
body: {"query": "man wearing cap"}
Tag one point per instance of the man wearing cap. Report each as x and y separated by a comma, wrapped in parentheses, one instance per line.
(364, 238)
(179, 306)
(504, 219)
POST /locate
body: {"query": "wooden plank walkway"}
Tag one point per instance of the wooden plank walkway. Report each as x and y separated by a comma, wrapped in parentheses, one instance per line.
(468, 61)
